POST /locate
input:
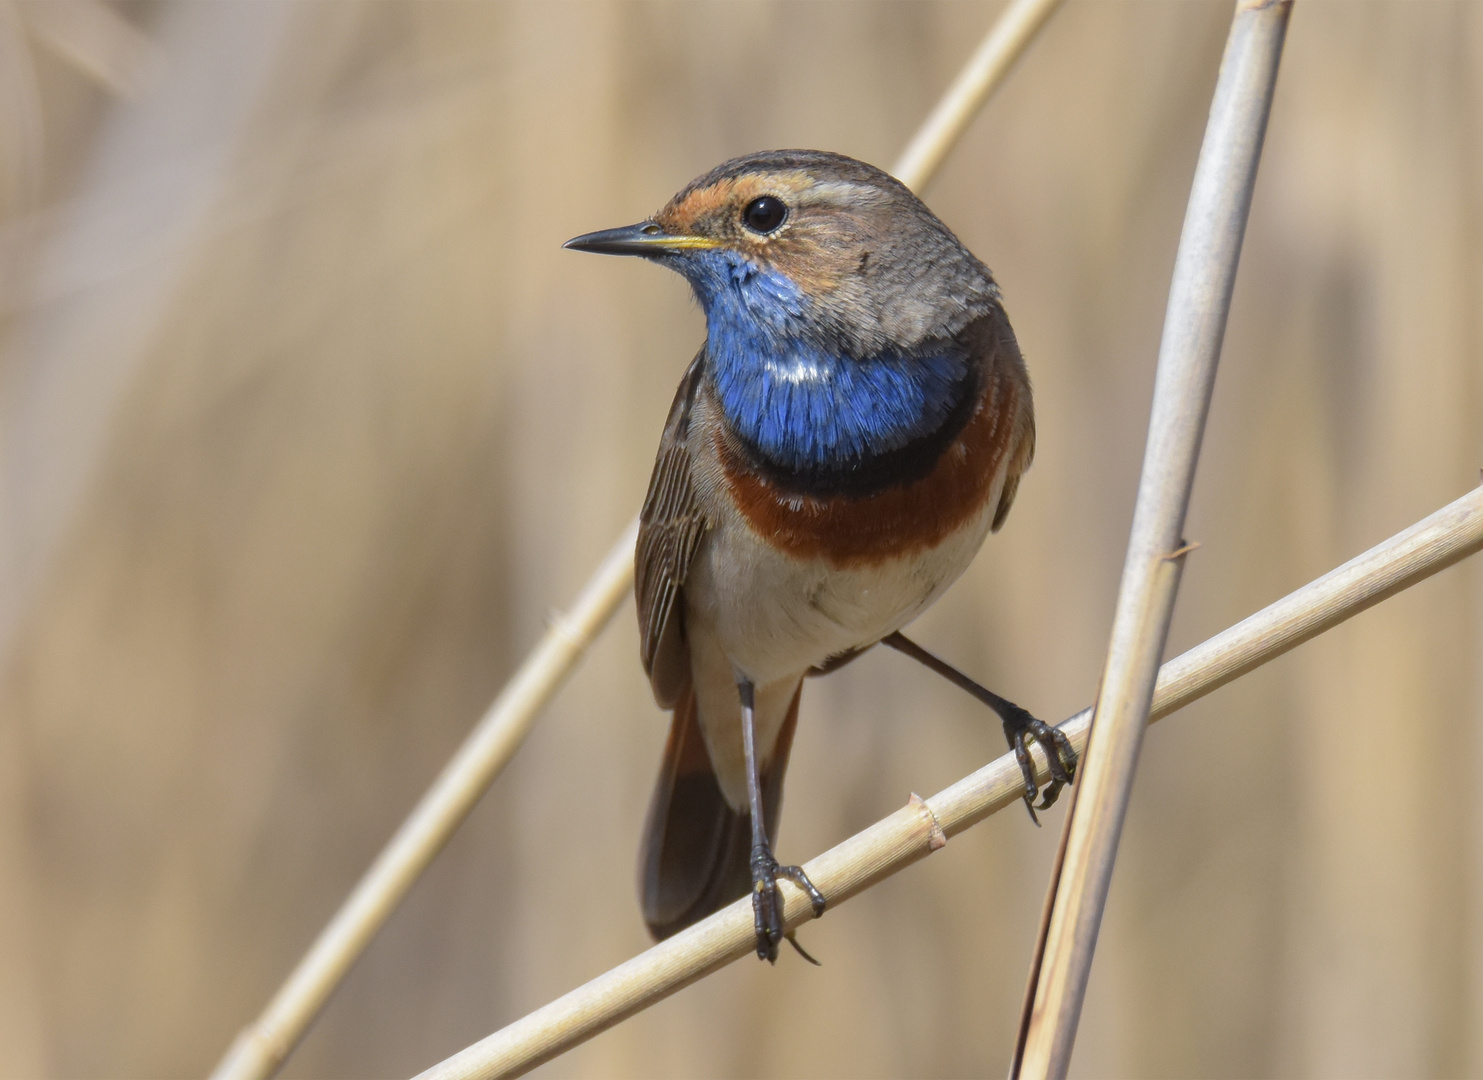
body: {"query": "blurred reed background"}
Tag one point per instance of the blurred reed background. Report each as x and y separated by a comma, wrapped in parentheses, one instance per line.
(308, 423)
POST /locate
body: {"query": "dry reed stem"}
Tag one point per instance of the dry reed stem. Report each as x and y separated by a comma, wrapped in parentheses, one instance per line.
(261, 1048)
(922, 826)
(1011, 33)
(1194, 325)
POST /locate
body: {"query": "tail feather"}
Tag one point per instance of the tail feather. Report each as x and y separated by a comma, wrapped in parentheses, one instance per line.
(697, 850)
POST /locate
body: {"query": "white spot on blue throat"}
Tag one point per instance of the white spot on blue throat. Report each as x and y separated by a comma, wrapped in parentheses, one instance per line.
(787, 383)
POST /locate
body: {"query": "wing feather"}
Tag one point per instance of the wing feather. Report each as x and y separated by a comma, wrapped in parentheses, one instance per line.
(1024, 452)
(1014, 382)
(671, 527)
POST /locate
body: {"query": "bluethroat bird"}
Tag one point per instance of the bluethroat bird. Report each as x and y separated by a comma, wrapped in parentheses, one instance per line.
(855, 424)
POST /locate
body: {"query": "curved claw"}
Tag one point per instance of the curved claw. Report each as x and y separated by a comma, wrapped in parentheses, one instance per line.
(796, 875)
(793, 940)
(1060, 755)
(1051, 793)
(767, 903)
(767, 918)
(1019, 727)
(1027, 767)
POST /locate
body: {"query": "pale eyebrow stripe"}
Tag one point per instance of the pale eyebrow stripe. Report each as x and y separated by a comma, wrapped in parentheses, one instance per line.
(838, 193)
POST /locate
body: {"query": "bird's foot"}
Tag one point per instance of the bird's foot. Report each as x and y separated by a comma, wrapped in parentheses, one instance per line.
(767, 902)
(1020, 728)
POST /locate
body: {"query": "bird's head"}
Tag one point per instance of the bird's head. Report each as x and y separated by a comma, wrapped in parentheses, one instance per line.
(810, 245)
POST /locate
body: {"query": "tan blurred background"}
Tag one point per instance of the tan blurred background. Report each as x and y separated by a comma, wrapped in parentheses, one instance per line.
(308, 424)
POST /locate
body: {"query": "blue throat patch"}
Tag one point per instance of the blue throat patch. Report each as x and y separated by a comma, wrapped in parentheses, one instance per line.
(798, 401)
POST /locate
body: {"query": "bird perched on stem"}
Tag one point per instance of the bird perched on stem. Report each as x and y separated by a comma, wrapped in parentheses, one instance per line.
(854, 426)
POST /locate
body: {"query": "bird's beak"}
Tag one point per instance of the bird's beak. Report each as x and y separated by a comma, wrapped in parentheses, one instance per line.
(645, 238)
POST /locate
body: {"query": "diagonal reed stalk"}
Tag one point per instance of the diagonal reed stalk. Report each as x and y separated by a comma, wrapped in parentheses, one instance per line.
(261, 1048)
(924, 825)
(1194, 324)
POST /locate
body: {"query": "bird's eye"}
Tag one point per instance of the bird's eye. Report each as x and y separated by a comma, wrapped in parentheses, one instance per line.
(765, 214)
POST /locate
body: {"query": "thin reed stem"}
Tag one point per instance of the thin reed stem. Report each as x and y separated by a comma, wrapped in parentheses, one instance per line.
(924, 825)
(1194, 325)
(261, 1048)
(980, 77)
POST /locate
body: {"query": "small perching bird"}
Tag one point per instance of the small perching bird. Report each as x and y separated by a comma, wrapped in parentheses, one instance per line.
(854, 426)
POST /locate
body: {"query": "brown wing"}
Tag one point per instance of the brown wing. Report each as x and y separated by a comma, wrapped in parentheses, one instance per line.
(671, 527)
(1012, 380)
(1024, 451)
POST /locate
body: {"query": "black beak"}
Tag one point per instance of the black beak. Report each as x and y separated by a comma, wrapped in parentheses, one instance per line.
(645, 238)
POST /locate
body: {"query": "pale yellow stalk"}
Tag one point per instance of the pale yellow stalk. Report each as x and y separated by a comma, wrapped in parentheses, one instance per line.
(1194, 324)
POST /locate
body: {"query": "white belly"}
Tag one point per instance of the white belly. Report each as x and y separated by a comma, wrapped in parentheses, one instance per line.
(776, 616)
(756, 614)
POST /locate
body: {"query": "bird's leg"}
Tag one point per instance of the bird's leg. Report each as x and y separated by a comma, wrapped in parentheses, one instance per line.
(767, 901)
(1019, 727)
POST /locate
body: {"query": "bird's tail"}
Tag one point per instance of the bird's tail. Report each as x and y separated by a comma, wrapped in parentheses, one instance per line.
(696, 856)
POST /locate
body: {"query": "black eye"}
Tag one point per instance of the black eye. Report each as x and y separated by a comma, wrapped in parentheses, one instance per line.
(765, 214)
